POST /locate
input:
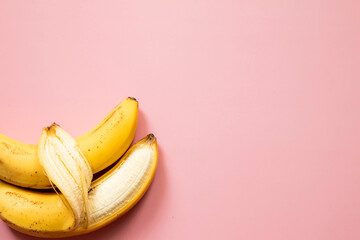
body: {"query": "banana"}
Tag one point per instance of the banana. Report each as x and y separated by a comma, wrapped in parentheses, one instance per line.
(44, 214)
(67, 168)
(102, 146)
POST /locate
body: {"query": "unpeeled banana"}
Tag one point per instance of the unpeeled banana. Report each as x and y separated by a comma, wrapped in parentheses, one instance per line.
(45, 214)
(102, 146)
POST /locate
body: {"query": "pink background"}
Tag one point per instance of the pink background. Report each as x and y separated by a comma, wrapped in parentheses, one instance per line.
(255, 104)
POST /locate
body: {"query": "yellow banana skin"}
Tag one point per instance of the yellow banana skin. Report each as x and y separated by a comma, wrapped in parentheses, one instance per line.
(32, 211)
(102, 146)
(44, 214)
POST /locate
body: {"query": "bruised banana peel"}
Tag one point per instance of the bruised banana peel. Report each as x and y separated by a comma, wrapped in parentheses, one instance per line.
(44, 214)
(102, 146)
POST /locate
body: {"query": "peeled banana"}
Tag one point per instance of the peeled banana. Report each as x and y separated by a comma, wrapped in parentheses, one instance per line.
(46, 214)
(67, 168)
(102, 146)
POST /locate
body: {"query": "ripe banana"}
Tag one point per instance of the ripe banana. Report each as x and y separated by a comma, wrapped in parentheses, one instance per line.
(67, 168)
(44, 214)
(102, 146)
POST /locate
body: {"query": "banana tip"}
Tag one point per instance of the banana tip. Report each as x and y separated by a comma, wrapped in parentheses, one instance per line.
(51, 127)
(54, 124)
(151, 137)
(132, 98)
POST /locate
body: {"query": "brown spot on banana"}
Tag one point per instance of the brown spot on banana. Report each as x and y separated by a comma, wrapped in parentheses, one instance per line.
(20, 197)
(5, 145)
(13, 149)
(105, 120)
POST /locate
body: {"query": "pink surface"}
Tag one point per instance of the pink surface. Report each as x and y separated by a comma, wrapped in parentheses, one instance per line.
(255, 105)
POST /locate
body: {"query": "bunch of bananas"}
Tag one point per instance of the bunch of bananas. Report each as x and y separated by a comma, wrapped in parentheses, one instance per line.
(76, 204)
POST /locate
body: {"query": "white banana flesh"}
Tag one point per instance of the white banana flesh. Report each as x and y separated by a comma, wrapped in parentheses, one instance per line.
(109, 195)
(66, 167)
